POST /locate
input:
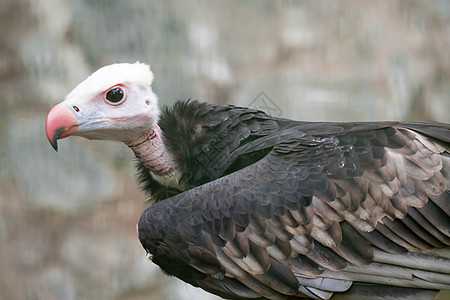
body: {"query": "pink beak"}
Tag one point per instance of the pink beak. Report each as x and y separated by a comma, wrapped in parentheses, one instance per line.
(61, 123)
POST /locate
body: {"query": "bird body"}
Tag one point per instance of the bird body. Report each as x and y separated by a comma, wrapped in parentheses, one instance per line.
(248, 206)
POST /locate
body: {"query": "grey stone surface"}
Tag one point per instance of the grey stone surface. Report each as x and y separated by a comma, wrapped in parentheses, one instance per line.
(73, 179)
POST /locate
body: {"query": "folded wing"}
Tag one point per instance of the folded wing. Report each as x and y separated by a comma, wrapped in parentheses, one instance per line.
(322, 213)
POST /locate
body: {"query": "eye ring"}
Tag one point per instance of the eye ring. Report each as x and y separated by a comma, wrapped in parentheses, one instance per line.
(115, 95)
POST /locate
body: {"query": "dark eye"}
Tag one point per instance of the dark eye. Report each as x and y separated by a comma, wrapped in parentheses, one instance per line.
(114, 95)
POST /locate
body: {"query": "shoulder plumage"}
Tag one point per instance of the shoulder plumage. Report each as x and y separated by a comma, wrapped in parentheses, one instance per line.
(183, 125)
(201, 136)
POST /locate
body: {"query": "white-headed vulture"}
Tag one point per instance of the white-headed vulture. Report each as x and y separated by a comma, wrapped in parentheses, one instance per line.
(249, 206)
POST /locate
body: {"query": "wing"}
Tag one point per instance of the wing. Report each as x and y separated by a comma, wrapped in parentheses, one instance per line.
(318, 215)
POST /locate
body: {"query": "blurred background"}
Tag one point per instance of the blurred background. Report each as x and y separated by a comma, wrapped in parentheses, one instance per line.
(68, 219)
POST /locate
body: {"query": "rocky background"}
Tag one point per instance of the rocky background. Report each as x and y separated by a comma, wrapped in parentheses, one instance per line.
(67, 219)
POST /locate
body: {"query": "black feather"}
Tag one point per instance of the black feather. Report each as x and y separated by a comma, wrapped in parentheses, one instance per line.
(271, 204)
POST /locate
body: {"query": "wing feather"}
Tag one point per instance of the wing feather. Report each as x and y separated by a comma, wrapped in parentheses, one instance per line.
(361, 204)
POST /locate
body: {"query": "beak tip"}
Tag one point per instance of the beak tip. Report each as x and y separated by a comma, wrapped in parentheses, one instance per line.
(60, 123)
(54, 139)
(55, 145)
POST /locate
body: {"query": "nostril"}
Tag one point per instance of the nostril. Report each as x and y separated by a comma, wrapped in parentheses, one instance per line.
(76, 108)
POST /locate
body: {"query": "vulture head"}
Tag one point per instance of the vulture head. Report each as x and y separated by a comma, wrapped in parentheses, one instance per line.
(115, 103)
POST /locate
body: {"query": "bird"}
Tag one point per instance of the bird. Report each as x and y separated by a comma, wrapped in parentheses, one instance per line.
(249, 206)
